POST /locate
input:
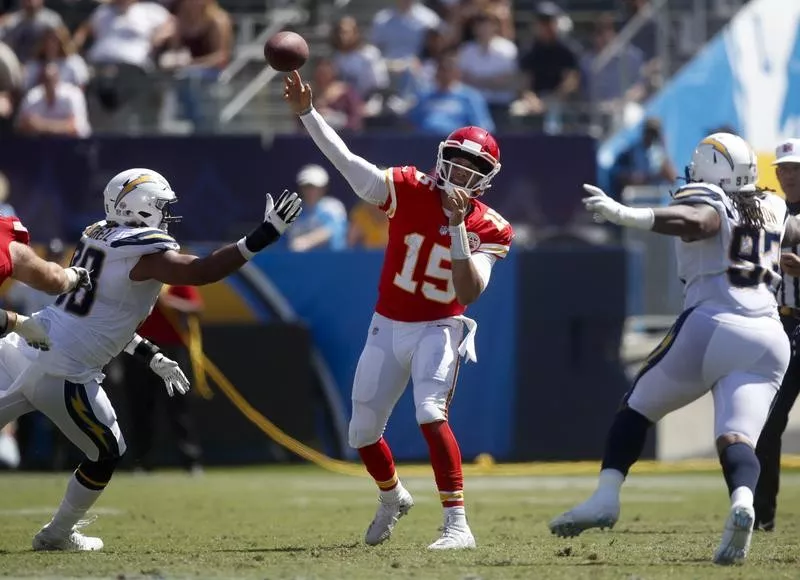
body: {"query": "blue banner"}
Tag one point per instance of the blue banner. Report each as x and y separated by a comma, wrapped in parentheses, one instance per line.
(335, 293)
(746, 79)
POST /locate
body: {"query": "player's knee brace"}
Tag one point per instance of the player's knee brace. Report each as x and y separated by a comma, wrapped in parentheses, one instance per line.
(364, 429)
(95, 475)
(428, 412)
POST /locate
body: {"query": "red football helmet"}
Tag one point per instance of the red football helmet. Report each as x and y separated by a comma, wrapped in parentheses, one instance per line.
(475, 145)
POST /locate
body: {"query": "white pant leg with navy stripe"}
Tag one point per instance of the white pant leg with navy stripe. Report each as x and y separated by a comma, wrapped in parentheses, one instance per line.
(740, 359)
(82, 412)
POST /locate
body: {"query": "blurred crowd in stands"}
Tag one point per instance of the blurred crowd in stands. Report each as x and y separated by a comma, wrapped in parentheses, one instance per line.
(450, 63)
(88, 66)
(72, 67)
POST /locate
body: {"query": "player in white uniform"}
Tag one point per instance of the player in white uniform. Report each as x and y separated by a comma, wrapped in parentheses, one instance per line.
(728, 340)
(129, 255)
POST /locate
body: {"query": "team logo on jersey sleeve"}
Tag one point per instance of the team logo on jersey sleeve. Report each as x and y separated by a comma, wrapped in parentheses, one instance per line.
(474, 241)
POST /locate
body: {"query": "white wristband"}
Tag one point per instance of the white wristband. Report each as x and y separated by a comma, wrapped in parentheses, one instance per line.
(72, 279)
(130, 348)
(641, 218)
(459, 242)
(246, 254)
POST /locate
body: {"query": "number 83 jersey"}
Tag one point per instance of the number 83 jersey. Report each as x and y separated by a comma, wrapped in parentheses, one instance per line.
(90, 326)
(739, 268)
(416, 282)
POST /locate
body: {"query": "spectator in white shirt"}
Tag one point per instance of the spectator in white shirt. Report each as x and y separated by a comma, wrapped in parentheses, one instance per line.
(55, 46)
(10, 82)
(399, 32)
(489, 63)
(359, 64)
(126, 33)
(437, 43)
(54, 108)
(22, 29)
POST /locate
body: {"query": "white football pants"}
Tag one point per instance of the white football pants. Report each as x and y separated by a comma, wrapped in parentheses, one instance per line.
(740, 359)
(82, 412)
(426, 352)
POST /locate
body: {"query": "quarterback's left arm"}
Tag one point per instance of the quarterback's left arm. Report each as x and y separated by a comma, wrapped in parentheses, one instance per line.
(695, 221)
(470, 275)
(471, 272)
(166, 368)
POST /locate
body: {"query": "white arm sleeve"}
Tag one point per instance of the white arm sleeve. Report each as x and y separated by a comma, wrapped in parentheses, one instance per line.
(483, 265)
(366, 179)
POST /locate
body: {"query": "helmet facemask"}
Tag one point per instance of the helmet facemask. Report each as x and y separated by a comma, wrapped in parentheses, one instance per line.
(473, 180)
(165, 207)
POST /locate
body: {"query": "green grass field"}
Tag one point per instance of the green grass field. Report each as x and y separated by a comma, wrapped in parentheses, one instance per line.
(305, 523)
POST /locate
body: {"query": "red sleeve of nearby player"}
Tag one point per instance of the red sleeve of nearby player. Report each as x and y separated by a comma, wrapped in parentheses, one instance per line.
(15, 231)
(11, 230)
(495, 234)
(190, 293)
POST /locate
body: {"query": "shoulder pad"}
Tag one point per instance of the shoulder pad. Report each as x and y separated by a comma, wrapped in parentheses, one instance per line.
(699, 190)
(125, 241)
(491, 233)
(143, 237)
(705, 193)
(89, 230)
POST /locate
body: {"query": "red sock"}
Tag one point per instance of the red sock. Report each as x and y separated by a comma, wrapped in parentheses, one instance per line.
(377, 458)
(446, 462)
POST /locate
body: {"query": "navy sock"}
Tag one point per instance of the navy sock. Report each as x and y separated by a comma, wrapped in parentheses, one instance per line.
(740, 466)
(625, 440)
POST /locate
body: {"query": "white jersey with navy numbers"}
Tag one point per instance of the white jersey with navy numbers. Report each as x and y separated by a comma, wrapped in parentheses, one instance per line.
(738, 268)
(88, 327)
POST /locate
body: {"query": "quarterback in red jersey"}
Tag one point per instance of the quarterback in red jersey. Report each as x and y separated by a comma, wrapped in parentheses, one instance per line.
(442, 246)
(20, 262)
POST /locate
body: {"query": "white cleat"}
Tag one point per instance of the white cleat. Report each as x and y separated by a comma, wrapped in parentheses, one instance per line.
(456, 535)
(386, 518)
(736, 537)
(47, 540)
(593, 513)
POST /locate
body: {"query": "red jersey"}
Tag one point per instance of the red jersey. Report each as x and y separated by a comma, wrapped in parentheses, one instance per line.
(416, 281)
(157, 328)
(11, 230)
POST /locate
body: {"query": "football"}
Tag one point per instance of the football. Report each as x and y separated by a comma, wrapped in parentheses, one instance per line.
(286, 51)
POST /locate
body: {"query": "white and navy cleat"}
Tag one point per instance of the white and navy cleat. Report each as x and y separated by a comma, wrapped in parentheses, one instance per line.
(590, 514)
(736, 537)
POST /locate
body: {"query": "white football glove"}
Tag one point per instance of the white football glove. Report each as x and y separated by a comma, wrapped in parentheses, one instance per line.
(607, 209)
(284, 212)
(33, 332)
(77, 278)
(171, 373)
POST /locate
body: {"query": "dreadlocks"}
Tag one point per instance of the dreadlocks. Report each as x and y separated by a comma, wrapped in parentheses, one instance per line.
(748, 206)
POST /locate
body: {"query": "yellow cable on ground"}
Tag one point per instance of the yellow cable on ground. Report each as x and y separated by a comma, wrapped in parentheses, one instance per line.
(196, 356)
(484, 464)
(272, 430)
(193, 341)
